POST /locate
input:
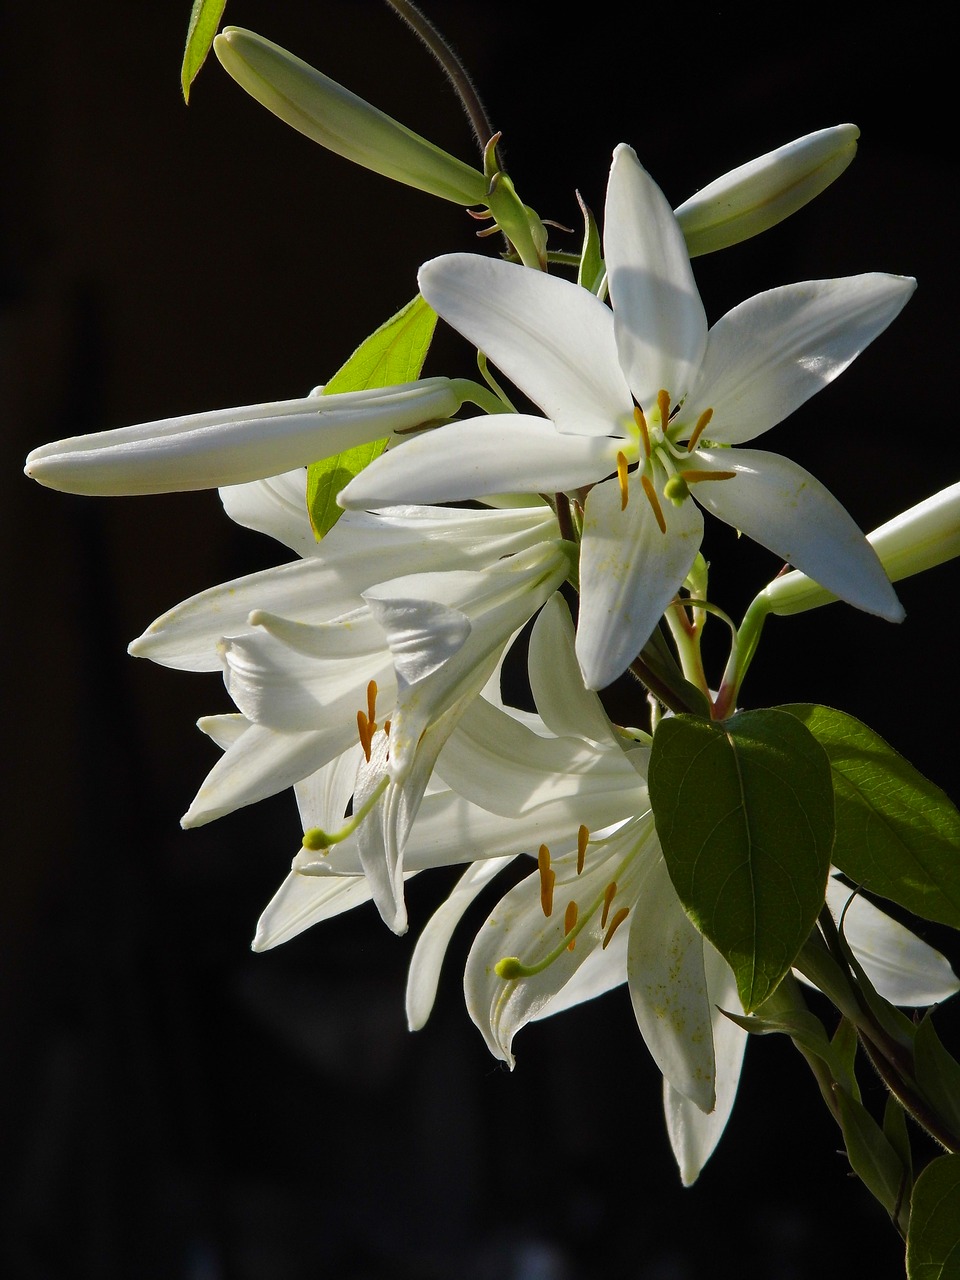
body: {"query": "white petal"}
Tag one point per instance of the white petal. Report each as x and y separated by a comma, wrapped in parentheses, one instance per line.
(787, 510)
(323, 796)
(905, 970)
(777, 349)
(478, 456)
(550, 337)
(566, 705)
(233, 446)
(661, 328)
(693, 1135)
(276, 506)
(302, 901)
(668, 987)
(629, 573)
(428, 955)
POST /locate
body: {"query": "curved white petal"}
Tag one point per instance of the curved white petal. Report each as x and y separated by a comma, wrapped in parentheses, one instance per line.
(660, 324)
(302, 901)
(784, 508)
(259, 764)
(323, 796)
(566, 706)
(550, 337)
(423, 975)
(477, 456)
(693, 1135)
(629, 573)
(276, 506)
(602, 971)
(905, 970)
(774, 351)
(668, 987)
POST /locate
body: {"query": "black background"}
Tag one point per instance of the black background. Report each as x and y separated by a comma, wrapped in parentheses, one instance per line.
(172, 1105)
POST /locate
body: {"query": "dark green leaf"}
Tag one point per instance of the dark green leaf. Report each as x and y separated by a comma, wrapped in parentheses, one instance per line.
(898, 835)
(393, 354)
(204, 20)
(933, 1243)
(937, 1073)
(871, 1155)
(744, 811)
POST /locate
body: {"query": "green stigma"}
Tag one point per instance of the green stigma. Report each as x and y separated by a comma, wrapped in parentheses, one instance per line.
(676, 490)
(509, 968)
(316, 839)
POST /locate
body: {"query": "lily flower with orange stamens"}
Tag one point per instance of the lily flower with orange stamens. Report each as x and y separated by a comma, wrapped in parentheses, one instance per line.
(641, 404)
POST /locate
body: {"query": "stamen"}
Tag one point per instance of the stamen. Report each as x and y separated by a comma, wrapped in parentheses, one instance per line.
(698, 429)
(641, 422)
(548, 879)
(622, 480)
(583, 835)
(615, 924)
(372, 701)
(386, 727)
(316, 838)
(654, 501)
(695, 477)
(366, 731)
(663, 404)
(609, 893)
(570, 922)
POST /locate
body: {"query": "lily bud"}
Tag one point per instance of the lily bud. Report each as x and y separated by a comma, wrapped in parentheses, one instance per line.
(340, 121)
(921, 538)
(233, 446)
(762, 193)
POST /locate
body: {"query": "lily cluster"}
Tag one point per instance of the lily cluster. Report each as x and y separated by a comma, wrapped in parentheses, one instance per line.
(366, 672)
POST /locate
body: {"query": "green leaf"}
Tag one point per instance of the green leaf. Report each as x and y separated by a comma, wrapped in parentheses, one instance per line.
(591, 270)
(392, 355)
(933, 1244)
(872, 1157)
(898, 835)
(744, 811)
(937, 1073)
(898, 1135)
(204, 20)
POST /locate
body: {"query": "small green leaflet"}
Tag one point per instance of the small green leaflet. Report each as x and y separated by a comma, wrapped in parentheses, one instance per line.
(933, 1242)
(204, 20)
(744, 811)
(393, 354)
(898, 835)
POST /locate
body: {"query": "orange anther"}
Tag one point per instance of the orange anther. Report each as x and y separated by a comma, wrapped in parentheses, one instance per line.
(570, 921)
(654, 501)
(583, 835)
(372, 701)
(663, 404)
(609, 893)
(548, 878)
(641, 422)
(695, 477)
(622, 480)
(698, 429)
(615, 924)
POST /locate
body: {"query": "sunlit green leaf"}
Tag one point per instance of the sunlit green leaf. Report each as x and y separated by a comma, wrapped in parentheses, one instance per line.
(898, 835)
(744, 811)
(933, 1243)
(393, 354)
(204, 21)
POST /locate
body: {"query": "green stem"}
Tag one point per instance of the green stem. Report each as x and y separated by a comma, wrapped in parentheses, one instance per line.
(453, 68)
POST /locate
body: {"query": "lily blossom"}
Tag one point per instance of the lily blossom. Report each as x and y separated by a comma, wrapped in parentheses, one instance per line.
(642, 403)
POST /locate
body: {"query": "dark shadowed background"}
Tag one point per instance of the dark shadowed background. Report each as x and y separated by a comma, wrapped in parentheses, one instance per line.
(174, 1106)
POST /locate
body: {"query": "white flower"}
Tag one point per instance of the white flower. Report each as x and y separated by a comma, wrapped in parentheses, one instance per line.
(641, 403)
(602, 886)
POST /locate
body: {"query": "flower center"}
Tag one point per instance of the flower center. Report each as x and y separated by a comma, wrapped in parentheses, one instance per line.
(575, 919)
(663, 465)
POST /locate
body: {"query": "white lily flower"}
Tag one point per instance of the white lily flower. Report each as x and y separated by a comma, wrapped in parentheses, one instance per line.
(233, 446)
(642, 403)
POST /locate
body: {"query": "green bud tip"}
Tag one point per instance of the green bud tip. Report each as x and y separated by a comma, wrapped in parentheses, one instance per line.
(508, 968)
(316, 840)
